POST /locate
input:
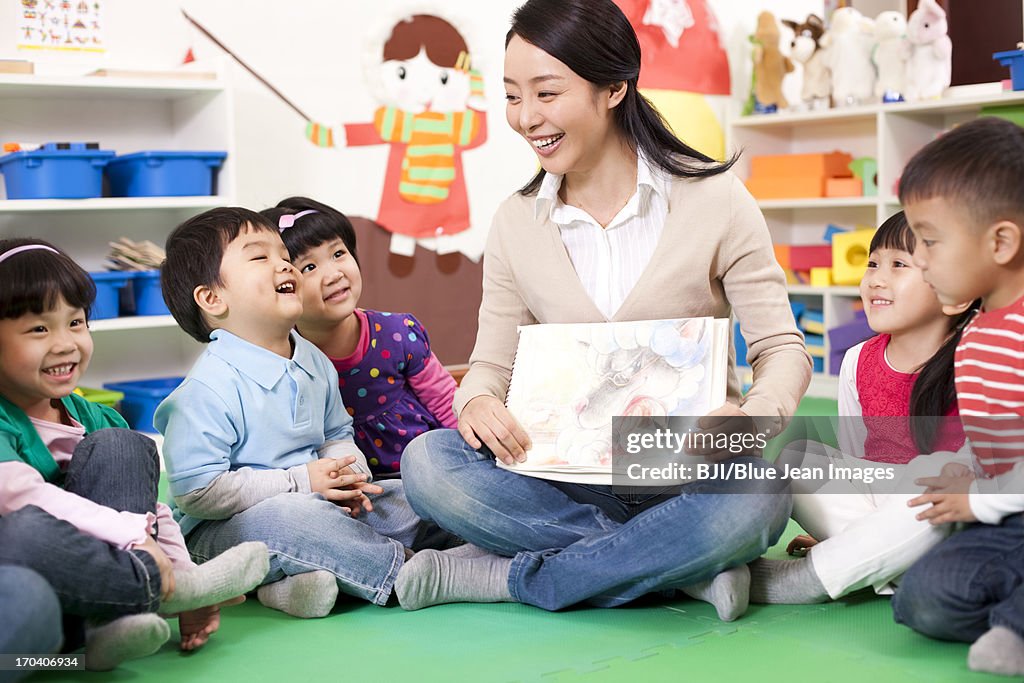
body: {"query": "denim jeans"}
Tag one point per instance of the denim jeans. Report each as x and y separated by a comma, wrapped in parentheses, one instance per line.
(306, 532)
(572, 543)
(113, 467)
(31, 621)
(969, 583)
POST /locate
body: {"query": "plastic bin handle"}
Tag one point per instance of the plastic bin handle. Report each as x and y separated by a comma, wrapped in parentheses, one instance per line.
(32, 162)
(99, 163)
(153, 162)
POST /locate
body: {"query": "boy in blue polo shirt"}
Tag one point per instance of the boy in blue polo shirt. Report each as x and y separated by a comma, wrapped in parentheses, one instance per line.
(258, 445)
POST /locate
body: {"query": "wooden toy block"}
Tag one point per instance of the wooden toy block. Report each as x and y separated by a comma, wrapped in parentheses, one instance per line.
(782, 255)
(866, 168)
(786, 187)
(821, 277)
(823, 165)
(850, 256)
(843, 187)
(805, 257)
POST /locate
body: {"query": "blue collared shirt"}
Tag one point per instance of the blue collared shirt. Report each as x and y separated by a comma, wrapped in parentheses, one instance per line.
(244, 406)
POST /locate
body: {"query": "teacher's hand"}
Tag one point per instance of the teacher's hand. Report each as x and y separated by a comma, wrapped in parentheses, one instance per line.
(485, 421)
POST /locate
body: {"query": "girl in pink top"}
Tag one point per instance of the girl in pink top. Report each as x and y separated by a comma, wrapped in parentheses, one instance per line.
(78, 490)
(897, 405)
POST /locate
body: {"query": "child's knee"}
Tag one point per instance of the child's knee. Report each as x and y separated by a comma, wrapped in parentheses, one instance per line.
(115, 447)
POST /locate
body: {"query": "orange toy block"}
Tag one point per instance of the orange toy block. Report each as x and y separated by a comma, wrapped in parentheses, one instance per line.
(844, 187)
(782, 255)
(826, 165)
(786, 187)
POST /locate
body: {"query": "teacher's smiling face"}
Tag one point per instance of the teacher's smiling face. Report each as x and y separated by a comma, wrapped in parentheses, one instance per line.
(567, 120)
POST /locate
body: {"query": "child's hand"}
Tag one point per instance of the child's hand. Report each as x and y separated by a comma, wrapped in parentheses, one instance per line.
(163, 563)
(197, 626)
(801, 544)
(337, 483)
(948, 495)
(362, 504)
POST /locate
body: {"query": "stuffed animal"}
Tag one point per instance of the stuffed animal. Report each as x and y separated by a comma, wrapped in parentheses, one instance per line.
(890, 55)
(770, 66)
(930, 52)
(792, 82)
(849, 41)
(807, 50)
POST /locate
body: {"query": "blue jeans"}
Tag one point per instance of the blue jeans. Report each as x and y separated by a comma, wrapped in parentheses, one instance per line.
(31, 621)
(572, 543)
(969, 583)
(306, 532)
(117, 468)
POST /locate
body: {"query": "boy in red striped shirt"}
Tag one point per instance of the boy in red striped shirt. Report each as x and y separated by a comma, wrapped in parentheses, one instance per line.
(964, 197)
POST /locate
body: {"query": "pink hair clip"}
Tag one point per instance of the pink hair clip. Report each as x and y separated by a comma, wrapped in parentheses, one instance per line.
(288, 220)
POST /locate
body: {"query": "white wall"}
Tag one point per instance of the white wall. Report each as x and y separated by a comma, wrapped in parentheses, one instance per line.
(313, 51)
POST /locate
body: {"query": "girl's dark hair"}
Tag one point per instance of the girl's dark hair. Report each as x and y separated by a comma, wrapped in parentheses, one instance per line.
(440, 39)
(934, 391)
(595, 39)
(313, 229)
(35, 281)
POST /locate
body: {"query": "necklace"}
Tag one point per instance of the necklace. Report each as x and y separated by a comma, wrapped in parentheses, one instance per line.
(604, 223)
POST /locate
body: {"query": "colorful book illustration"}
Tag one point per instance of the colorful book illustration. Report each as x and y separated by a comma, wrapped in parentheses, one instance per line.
(570, 380)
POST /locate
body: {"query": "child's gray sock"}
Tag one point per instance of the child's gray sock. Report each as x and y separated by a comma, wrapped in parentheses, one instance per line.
(998, 651)
(433, 578)
(785, 582)
(466, 551)
(729, 592)
(307, 596)
(131, 637)
(234, 572)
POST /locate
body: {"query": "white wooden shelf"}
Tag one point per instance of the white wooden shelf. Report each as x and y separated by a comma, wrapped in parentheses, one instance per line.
(90, 87)
(817, 203)
(113, 204)
(135, 322)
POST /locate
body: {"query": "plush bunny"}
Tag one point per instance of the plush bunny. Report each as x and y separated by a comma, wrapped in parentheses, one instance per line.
(849, 41)
(807, 50)
(890, 55)
(930, 52)
(770, 66)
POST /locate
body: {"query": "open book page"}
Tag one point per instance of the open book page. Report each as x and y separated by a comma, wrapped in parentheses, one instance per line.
(570, 380)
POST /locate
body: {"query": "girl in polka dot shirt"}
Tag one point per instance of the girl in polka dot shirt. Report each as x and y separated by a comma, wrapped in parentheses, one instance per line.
(392, 385)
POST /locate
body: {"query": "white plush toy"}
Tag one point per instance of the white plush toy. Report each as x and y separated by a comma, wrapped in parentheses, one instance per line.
(849, 42)
(930, 61)
(890, 55)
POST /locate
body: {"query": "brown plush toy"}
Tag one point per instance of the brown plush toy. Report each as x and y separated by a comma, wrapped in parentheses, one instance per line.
(770, 65)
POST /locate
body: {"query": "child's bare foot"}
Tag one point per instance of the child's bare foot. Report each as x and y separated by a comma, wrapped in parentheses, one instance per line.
(197, 626)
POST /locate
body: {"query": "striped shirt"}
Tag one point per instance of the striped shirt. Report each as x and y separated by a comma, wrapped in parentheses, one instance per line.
(990, 387)
(609, 261)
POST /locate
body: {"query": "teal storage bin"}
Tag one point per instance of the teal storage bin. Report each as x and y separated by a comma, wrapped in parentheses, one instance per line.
(141, 398)
(57, 170)
(149, 300)
(108, 294)
(164, 174)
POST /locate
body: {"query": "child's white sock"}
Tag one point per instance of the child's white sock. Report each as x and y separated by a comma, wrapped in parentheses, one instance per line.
(785, 582)
(234, 572)
(998, 651)
(729, 592)
(433, 577)
(131, 637)
(307, 596)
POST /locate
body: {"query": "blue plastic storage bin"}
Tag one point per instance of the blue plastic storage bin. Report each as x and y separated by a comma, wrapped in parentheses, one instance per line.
(164, 174)
(149, 300)
(57, 170)
(141, 398)
(108, 294)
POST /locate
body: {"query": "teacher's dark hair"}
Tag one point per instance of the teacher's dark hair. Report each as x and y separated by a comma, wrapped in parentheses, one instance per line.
(596, 41)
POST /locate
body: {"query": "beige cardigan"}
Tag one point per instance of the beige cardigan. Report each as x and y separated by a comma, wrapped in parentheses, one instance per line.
(714, 256)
